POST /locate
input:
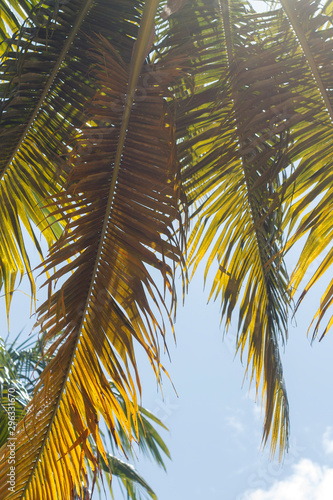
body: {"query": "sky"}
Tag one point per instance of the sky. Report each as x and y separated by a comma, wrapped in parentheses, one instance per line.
(215, 425)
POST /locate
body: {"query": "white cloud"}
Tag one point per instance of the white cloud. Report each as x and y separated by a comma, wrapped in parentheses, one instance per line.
(255, 398)
(257, 411)
(235, 424)
(328, 441)
(309, 481)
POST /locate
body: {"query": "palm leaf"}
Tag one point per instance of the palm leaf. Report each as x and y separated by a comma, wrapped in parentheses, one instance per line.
(255, 138)
(20, 366)
(132, 481)
(233, 141)
(118, 210)
(150, 444)
(247, 97)
(13, 395)
(31, 168)
(149, 440)
(310, 213)
(11, 14)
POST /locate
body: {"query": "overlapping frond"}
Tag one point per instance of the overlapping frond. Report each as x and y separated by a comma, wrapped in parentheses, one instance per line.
(20, 365)
(133, 483)
(119, 210)
(11, 15)
(30, 168)
(13, 394)
(150, 443)
(233, 141)
(255, 139)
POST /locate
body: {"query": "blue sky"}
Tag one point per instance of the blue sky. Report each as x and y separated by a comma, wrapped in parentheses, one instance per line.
(215, 425)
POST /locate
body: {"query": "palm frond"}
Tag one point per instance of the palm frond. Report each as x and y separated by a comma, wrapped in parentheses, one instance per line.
(255, 138)
(13, 395)
(119, 212)
(133, 483)
(310, 185)
(233, 141)
(243, 100)
(149, 441)
(11, 15)
(19, 367)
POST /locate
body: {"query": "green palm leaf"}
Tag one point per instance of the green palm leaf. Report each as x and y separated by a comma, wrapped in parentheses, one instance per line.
(20, 366)
(255, 137)
(129, 477)
(11, 14)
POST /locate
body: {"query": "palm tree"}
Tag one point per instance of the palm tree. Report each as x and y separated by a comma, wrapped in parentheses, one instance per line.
(21, 366)
(121, 122)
